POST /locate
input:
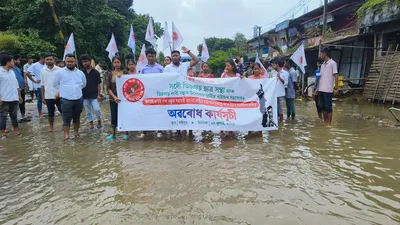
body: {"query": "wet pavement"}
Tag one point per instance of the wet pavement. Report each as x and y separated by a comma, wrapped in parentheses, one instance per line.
(302, 174)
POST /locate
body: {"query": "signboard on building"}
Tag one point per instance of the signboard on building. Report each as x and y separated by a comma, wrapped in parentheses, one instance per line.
(282, 26)
(292, 32)
(318, 22)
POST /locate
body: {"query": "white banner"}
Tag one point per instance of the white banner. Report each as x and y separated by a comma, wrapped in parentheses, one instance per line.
(170, 101)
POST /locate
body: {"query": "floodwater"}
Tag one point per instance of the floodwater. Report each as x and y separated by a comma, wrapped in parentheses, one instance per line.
(302, 174)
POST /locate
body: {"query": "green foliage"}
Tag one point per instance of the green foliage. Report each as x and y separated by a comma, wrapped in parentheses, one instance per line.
(374, 5)
(24, 43)
(217, 62)
(91, 21)
(240, 41)
(161, 57)
(9, 43)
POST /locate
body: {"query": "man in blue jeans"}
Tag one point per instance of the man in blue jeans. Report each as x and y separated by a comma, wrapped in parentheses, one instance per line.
(291, 89)
(92, 92)
(70, 81)
(35, 69)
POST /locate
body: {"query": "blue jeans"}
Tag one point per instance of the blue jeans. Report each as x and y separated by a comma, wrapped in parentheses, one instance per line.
(291, 110)
(89, 105)
(39, 99)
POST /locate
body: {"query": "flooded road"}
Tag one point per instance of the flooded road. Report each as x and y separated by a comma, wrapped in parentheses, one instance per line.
(302, 174)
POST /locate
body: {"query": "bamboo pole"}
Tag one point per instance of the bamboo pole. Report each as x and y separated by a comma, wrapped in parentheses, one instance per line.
(380, 72)
(391, 81)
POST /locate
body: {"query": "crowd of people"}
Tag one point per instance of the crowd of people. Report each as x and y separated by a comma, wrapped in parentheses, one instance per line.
(67, 90)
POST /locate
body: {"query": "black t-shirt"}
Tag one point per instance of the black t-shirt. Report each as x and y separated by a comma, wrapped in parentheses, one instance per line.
(92, 81)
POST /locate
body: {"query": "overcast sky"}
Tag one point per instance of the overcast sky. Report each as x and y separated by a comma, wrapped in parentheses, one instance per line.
(196, 19)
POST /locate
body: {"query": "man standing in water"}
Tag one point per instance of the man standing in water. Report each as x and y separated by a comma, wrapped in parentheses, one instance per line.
(70, 81)
(282, 76)
(291, 89)
(177, 65)
(21, 83)
(329, 77)
(29, 82)
(9, 95)
(181, 67)
(35, 69)
(92, 92)
(151, 67)
(50, 95)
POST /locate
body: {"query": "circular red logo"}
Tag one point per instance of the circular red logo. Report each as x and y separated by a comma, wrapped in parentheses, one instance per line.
(133, 90)
(175, 36)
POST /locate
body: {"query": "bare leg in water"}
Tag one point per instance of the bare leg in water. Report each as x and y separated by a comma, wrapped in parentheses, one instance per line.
(76, 130)
(66, 132)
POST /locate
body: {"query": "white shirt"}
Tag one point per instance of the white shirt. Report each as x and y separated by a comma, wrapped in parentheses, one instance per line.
(8, 86)
(69, 83)
(47, 76)
(181, 69)
(35, 69)
(281, 87)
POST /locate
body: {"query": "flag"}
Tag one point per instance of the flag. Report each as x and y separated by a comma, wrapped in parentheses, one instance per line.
(263, 70)
(167, 38)
(112, 48)
(70, 48)
(299, 57)
(176, 36)
(142, 61)
(204, 52)
(132, 40)
(150, 37)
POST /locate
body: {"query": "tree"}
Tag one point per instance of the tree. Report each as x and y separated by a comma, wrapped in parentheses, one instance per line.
(240, 41)
(25, 44)
(161, 57)
(91, 21)
(217, 62)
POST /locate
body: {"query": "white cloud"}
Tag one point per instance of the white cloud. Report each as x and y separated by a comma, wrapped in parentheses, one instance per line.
(197, 19)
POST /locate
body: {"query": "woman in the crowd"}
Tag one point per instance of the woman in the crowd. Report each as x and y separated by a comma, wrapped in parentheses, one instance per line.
(112, 91)
(205, 71)
(230, 70)
(191, 72)
(256, 75)
(131, 64)
(167, 61)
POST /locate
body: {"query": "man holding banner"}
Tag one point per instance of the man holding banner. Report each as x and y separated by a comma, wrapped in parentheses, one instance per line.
(177, 65)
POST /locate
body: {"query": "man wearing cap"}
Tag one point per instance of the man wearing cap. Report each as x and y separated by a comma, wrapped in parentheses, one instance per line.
(329, 77)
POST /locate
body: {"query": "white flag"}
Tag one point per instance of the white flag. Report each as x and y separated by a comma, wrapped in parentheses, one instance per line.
(204, 52)
(150, 36)
(112, 48)
(167, 38)
(299, 57)
(176, 36)
(132, 40)
(263, 70)
(142, 61)
(70, 48)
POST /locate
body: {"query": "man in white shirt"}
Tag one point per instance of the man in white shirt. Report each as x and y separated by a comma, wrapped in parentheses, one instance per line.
(29, 82)
(177, 65)
(50, 95)
(283, 77)
(10, 95)
(36, 68)
(70, 81)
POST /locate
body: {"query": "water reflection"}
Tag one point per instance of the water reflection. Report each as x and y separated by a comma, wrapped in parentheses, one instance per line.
(301, 174)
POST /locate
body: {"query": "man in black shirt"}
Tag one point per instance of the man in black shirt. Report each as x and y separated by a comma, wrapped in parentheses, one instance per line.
(91, 93)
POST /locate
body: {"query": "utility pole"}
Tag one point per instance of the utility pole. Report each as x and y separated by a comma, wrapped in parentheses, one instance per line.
(325, 17)
(259, 41)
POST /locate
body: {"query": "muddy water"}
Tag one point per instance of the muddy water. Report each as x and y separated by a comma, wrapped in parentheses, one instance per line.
(301, 174)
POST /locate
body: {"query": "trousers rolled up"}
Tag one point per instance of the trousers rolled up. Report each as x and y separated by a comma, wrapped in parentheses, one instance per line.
(8, 108)
(71, 111)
